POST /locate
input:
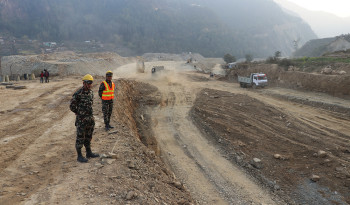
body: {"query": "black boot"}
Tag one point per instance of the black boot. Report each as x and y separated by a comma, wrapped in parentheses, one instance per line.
(110, 127)
(106, 127)
(80, 156)
(89, 153)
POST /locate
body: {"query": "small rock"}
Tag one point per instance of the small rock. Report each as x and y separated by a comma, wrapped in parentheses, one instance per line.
(342, 72)
(257, 163)
(103, 156)
(130, 195)
(131, 164)
(98, 165)
(276, 187)
(315, 178)
(322, 154)
(178, 185)
(181, 202)
(277, 156)
(326, 162)
(110, 161)
(339, 169)
(239, 159)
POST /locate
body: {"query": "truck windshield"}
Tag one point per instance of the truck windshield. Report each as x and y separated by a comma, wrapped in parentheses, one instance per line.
(262, 77)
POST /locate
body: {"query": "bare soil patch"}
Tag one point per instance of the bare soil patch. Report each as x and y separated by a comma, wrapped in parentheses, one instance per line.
(245, 128)
(39, 161)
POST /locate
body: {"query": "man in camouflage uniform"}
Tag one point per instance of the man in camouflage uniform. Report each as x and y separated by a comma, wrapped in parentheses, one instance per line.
(106, 93)
(81, 104)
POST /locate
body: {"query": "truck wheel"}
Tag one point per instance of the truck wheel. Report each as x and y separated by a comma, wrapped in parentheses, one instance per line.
(241, 84)
(254, 86)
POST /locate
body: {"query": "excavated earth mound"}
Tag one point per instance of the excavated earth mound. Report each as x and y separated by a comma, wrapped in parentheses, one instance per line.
(290, 150)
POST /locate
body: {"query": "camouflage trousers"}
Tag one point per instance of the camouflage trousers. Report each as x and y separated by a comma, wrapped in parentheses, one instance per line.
(85, 128)
(107, 107)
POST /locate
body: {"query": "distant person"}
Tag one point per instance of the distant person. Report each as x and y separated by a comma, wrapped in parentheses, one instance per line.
(47, 75)
(81, 104)
(106, 93)
(42, 77)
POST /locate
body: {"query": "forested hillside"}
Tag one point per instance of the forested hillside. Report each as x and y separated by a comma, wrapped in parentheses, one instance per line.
(256, 27)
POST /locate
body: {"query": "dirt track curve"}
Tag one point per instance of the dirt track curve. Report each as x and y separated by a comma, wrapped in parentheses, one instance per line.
(289, 128)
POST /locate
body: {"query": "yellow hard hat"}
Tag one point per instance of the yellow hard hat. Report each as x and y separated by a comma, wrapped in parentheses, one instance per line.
(109, 72)
(88, 77)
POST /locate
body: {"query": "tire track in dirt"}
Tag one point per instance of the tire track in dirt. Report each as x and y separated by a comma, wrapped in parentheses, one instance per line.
(28, 121)
(209, 176)
(30, 147)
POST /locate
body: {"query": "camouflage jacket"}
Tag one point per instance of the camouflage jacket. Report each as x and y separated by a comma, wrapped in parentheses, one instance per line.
(81, 103)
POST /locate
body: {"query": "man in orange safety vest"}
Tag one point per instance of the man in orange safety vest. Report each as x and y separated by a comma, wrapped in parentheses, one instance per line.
(106, 93)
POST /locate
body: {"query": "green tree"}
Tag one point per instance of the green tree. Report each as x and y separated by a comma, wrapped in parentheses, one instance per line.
(228, 58)
(277, 54)
(248, 58)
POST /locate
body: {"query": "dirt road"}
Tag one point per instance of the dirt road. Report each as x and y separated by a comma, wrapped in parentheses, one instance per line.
(206, 170)
(208, 132)
(209, 176)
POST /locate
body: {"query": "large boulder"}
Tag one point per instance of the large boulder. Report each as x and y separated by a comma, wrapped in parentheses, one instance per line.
(327, 70)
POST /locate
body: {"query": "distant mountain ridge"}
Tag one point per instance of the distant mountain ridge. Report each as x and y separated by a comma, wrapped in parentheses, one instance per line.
(256, 27)
(323, 24)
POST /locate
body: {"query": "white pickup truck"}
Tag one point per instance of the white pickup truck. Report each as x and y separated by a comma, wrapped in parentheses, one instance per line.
(254, 80)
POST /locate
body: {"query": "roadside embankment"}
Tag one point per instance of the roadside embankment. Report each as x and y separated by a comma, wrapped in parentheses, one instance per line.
(335, 85)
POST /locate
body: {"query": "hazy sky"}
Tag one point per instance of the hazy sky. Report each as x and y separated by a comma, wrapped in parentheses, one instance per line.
(338, 7)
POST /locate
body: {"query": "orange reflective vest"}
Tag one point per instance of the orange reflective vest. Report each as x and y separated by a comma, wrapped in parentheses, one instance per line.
(108, 93)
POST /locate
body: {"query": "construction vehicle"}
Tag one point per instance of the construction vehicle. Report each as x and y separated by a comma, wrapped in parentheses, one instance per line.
(254, 80)
(157, 69)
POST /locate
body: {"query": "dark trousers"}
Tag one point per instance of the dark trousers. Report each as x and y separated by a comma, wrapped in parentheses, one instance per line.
(85, 128)
(107, 107)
